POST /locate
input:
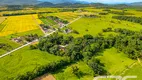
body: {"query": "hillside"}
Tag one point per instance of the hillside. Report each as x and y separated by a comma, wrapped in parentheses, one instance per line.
(45, 4)
(137, 4)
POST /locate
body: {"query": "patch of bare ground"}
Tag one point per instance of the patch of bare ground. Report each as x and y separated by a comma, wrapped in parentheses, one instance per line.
(46, 77)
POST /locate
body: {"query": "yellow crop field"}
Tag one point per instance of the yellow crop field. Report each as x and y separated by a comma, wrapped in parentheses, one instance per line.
(17, 24)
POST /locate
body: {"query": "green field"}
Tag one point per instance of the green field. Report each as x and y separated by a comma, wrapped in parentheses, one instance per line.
(134, 71)
(94, 26)
(69, 16)
(115, 62)
(37, 31)
(9, 42)
(49, 22)
(66, 73)
(22, 61)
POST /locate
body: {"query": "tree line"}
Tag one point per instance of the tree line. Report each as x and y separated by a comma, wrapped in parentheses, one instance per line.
(39, 71)
(129, 18)
(129, 42)
(120, 12)
(23, 13)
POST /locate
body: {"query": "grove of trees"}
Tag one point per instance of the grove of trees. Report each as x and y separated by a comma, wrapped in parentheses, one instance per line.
(129, 18)
(85, 48)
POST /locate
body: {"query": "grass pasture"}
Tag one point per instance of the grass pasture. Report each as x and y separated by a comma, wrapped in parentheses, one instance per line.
(22, 61)
(18, 24)
(136, 70)
(66, 73)
(115, 62)
(136, 13)
(94, 26)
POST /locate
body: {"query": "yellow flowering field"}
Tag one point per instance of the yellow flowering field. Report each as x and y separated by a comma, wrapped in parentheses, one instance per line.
(17, 24)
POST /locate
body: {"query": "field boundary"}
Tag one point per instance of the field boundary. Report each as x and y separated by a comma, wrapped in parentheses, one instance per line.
(130, 66)
(38, 24)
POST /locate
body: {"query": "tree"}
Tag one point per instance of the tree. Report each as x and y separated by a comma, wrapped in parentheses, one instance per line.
(75, 70)
(33, 47)
(54, 50)
(97, 66)
(88, 36)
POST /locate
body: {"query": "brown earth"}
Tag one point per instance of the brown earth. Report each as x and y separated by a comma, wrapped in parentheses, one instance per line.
(46, 77)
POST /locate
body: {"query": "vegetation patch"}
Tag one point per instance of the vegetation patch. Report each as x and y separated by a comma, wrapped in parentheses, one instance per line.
(136, 70)
(79, 70)
(115, 61)
(129, 18)
(7, 45)
(15, 64)
(94, 26)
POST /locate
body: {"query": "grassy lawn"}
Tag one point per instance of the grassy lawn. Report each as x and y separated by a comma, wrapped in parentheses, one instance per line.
(134, 71)
(115, 62)
(94, 26)
(2, 51)
(66, 73)
(24, 60)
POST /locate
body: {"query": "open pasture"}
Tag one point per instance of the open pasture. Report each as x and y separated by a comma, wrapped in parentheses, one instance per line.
(86, 73)
(93, 10)
(136, 70)
(18, 24)
(94, 26)
(114, 61)
(22, 61)
(136, 13)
